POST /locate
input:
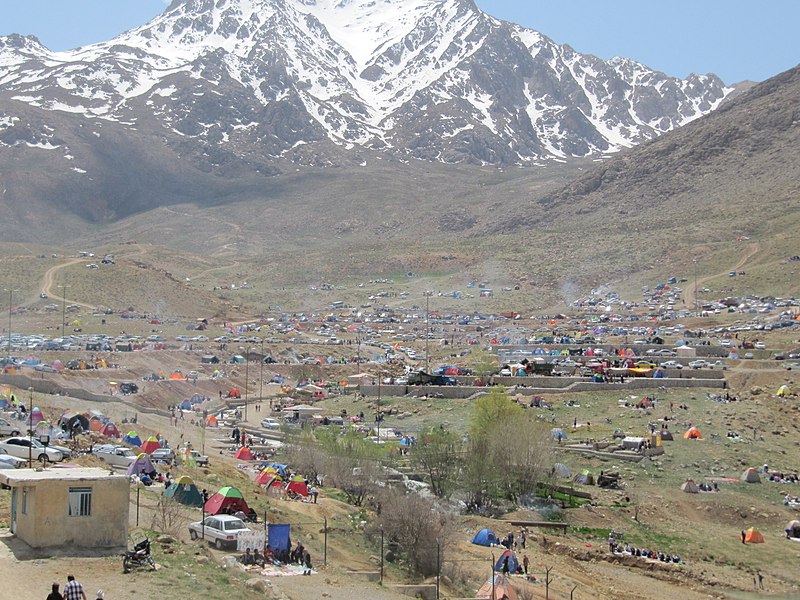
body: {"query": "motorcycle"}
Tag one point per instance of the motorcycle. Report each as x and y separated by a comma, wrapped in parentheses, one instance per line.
(138, 557)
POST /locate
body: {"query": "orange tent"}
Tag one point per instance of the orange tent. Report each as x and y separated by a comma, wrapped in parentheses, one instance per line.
(243, 453)
(211, 421)
(496, 588)
(753, 536)
(692, 434)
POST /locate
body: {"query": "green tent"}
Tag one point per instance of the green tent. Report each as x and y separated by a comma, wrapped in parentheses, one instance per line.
(185, 491)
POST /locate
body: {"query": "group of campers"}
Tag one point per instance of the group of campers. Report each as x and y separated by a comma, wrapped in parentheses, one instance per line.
(629, 550)
(299, 556)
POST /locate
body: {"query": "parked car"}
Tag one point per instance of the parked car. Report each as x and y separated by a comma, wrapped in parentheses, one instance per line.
(698, 364)
(128, 387)
(760, 346)
(118, 456)
(162, 454)
(220, 530)
(22, 447)
(44, 368)
(200, 459)
(268, 423)
(15, 462)
(671, 364)
(8, 429)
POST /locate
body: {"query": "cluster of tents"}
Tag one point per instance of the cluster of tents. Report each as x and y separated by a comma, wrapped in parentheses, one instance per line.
(276, 479)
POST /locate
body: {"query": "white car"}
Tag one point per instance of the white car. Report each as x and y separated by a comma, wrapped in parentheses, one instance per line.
(22, 447)
(699, 364)
(268, 423)
(13, 461)
(760, 346)
(7, 428)
(118, 456)
(220, 530)
(671, 364)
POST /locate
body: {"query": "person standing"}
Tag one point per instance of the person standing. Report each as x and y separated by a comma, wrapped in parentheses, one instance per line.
(525, 564)
(744, 535)
(73, 590)
(54, 593)
(760, 581)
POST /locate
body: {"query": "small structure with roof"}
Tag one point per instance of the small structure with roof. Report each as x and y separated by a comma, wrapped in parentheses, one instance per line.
(73, 508)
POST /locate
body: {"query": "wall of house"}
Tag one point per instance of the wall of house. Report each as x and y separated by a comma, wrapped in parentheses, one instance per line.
(47, 523)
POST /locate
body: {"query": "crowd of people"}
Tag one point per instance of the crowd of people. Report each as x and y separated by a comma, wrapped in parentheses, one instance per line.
(628, 550)
(298, 555)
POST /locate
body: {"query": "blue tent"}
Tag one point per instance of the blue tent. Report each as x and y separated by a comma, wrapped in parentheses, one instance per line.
(558, 434)
(509, 558)
(280, 468)
(186, 405)
(485, 537)
(132, 438)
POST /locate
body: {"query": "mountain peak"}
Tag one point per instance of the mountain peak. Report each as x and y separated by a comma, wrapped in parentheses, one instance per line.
(433, 80)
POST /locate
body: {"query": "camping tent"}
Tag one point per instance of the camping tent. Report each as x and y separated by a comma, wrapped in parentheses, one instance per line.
(142, 464)
(584, 478)
(227, 500)
(185, 491)
(485, 537)
(666, 435)
(751, 476)
(299, 487)
(150, 445)
(497, 587)
(507, 563)
(36, 416)
(783, 391)
(558, 434)
(689, 487)
(693, 434)
(753, 536)
(212, 421)
(110, 430)
(243, 453)
(132, 438)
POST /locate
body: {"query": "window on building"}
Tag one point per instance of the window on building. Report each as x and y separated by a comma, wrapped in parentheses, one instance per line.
(80, 502)
(24, 509)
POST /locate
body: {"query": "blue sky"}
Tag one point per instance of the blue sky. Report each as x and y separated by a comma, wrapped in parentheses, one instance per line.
(736, 39)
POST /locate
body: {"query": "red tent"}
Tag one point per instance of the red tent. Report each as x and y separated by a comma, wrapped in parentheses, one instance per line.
(110, 430)
(228, 500)
(150, 445)
(298, 487)
(244, 453)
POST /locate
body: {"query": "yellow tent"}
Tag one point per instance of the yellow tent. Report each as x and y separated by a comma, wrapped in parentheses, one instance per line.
(783, 391)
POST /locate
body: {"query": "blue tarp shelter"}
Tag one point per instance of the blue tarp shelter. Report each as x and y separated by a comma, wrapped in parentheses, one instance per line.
(278, 538)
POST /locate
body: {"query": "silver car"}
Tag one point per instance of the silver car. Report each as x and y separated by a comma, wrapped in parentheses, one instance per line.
(23, 447)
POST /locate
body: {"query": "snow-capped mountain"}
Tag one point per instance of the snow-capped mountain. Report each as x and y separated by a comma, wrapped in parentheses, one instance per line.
(324, 81)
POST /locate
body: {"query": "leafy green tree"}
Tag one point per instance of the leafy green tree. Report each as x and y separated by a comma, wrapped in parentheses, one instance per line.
(438, 453)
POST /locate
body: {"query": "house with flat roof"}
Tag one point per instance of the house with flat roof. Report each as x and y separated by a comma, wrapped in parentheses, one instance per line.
(71, 507)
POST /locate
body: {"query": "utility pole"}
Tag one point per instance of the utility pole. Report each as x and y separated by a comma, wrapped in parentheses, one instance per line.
(696, 305)
(246, 379)
(547, 582)
(10, 307)
(64, 307)
(261, 376)
(427, 330)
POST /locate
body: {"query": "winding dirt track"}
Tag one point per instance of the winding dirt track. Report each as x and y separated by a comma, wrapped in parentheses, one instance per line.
(690, 291)
(49, 279)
